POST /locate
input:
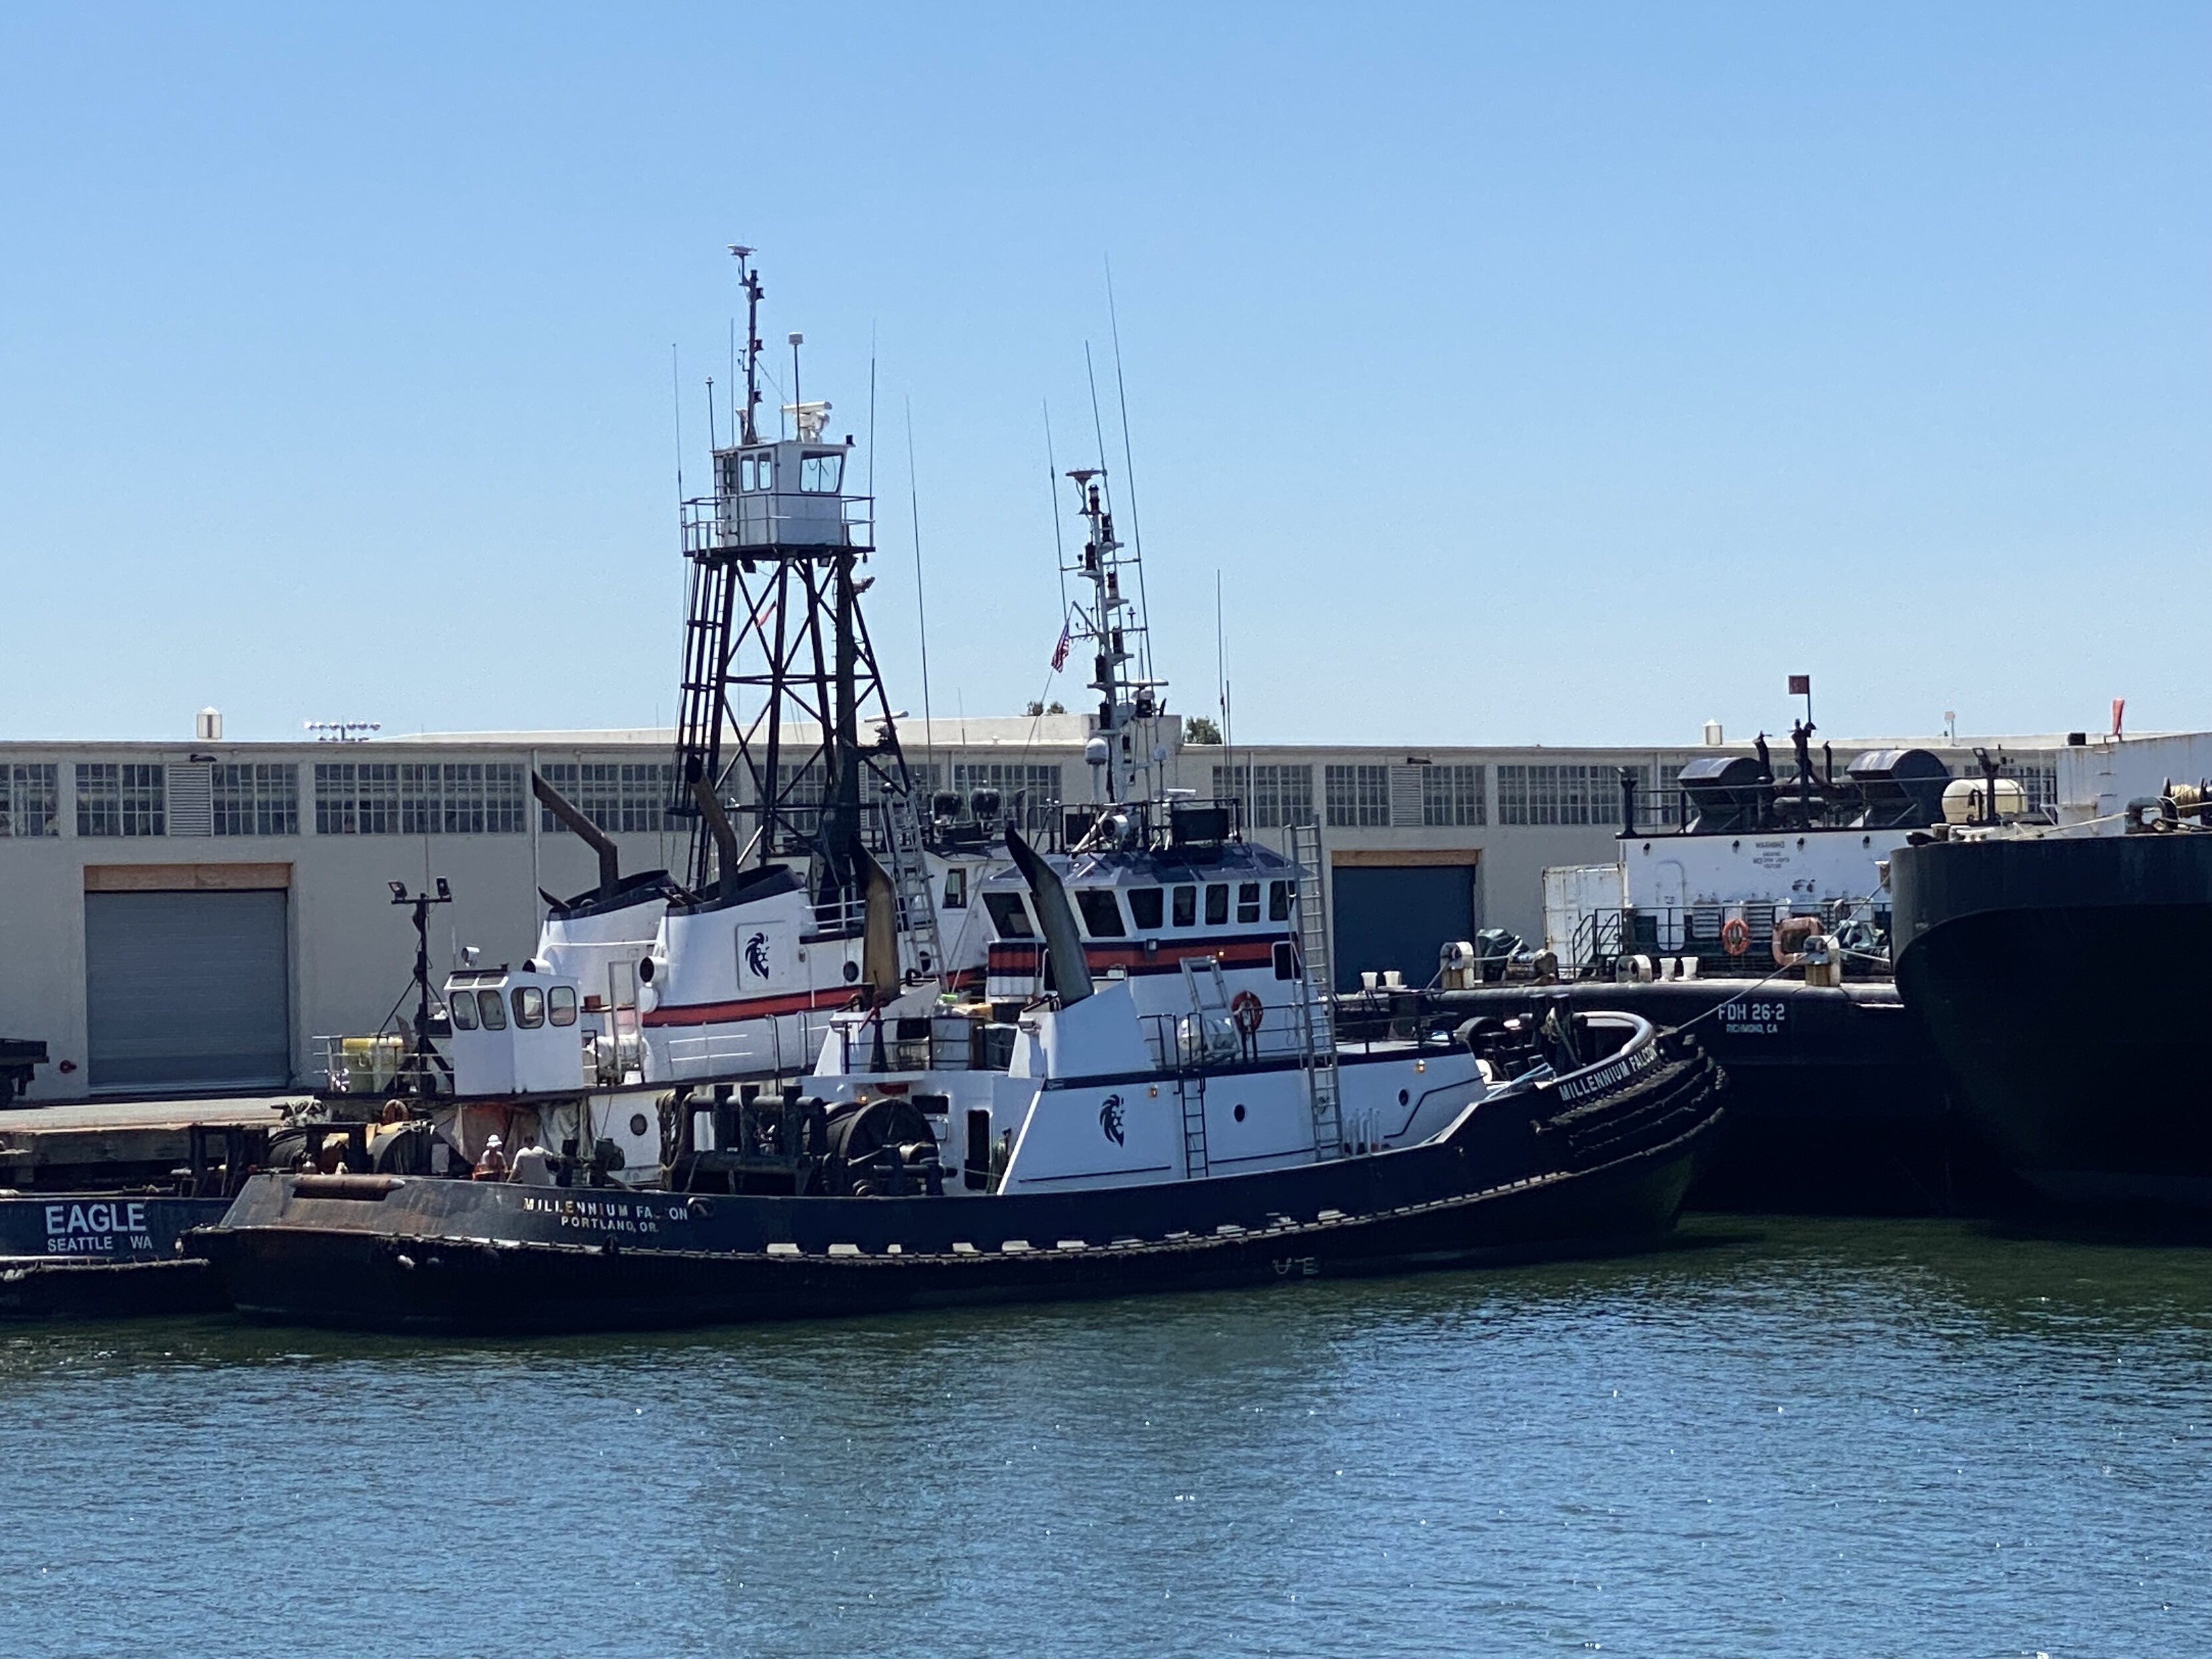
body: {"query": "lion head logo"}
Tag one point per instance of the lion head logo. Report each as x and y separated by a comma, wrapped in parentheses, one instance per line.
(757, 955)
(1109, 1119)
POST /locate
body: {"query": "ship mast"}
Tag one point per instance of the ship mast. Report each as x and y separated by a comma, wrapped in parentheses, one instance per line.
(779, 675)
(1111, 620)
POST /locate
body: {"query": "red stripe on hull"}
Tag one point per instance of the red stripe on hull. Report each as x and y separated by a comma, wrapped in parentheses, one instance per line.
(716, 1013)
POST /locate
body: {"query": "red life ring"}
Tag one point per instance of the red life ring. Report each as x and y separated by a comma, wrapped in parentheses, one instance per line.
(1735, 936)
(1245, 1009)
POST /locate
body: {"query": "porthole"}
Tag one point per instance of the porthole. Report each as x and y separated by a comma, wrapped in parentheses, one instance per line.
(851, 972)
(637, 1126)
(1403, 1096)
(1239, 1113)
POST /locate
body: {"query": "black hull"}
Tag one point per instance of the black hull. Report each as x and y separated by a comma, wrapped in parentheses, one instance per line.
(126, 1290)
(2064, 984)
(1540, 1177)
(1837, 1102)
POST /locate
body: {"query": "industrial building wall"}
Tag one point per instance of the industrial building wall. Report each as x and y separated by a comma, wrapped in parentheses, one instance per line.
(1500, 815)
(350, 951)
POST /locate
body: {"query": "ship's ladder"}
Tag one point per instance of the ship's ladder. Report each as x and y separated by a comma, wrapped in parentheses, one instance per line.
(1315, 1017)
(1209, 1012)
(1191, 1087)
(909, 873)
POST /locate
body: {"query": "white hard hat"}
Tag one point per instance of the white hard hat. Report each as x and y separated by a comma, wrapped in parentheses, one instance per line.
(491, 1141)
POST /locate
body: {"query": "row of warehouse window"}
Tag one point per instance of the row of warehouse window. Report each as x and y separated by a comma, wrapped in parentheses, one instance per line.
(256, 798)
(416, 798)
(1567, 792)
(1359, 796)
(130, 798)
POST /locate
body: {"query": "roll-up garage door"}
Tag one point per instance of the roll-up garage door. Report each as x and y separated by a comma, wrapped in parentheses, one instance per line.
(186, 990)
(1399, 916)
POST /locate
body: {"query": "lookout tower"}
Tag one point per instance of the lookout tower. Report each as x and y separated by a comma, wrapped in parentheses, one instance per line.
(779, 678)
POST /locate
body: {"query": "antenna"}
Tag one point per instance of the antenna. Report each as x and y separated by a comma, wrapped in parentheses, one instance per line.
(797, 341)
(712, 443)
(921, 614)
(1051, 480)
(749, 281)
(1098, 425)
(676, 392)
(1130, 472)
(1220, 657)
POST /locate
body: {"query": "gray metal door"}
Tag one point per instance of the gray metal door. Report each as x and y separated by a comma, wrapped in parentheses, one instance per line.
(186, 990)
(1399, 917)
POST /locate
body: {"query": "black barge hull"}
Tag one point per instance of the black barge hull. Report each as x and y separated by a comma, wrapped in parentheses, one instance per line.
(1540, 1177)
(2065, 983)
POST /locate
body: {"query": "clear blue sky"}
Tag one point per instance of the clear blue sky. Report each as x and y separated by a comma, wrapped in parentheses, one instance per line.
(1530, 374)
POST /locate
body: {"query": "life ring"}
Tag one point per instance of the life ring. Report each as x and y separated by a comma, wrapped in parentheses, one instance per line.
(1244, 1008)
(1735, 936)
(1787, 933)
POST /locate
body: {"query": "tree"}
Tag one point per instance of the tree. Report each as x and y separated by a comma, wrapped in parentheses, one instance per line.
(1199, 729)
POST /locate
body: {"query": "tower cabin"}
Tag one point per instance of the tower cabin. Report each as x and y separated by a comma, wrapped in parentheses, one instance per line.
(785, 494)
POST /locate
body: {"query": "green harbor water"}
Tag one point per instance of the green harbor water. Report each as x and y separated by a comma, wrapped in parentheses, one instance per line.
(1777, 1437)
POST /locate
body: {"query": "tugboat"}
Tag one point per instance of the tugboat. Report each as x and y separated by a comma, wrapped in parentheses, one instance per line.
(2014, 941)
(1145, 1090)
(1149, 1156)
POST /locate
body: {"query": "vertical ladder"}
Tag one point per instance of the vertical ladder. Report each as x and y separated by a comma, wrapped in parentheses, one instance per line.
(1317, 1023)
(1192, 1090)
(1209, 997)
(909, 873)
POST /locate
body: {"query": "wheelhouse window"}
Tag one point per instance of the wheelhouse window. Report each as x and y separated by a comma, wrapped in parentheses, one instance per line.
(1145, 908)
(756, 471)
(956, 887)
(529, 1006)
(1278, 901)
(1102, 912)
(492, 1009)
(462, 1008)
(820, 472)
(1217, 903)
(1247, 901)
(1008, 915)
(560, 1005)
(1186, 907)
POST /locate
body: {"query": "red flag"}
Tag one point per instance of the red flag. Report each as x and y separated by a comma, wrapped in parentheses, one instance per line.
(1060, 651)
(1801, 685)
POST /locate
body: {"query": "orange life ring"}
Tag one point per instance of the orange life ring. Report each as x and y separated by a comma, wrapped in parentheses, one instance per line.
(1246, 1010)
(1735, 936)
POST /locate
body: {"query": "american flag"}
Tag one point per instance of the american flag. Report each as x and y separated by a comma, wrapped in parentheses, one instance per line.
(1060, 651)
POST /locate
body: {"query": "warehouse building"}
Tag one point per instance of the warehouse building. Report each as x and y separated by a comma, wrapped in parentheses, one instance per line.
(195, 915)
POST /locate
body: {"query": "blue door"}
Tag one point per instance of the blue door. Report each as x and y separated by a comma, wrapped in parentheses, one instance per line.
(1399, 916)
